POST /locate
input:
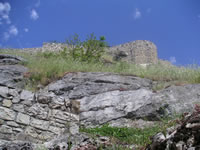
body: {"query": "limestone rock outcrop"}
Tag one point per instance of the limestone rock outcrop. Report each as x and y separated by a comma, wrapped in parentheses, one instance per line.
(6, 59)
(120, 100)
(11, 72)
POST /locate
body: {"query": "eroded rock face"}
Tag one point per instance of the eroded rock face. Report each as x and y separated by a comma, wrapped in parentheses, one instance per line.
(11, 73)
(120, 100)
(6, 59)
(79, 85)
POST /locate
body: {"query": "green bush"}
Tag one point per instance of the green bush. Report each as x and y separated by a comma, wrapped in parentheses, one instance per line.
(90, 50)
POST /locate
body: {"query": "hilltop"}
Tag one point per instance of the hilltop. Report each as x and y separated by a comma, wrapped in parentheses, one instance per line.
(137, 52)
(51, 99)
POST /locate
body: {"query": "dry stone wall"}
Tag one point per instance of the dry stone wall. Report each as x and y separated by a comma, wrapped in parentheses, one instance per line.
(34, 117)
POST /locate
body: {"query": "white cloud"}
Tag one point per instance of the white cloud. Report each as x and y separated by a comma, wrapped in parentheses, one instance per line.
(4, 12)
(34, 15)
(172, 59)
(26, 29)
(137, 14)
(13, 31)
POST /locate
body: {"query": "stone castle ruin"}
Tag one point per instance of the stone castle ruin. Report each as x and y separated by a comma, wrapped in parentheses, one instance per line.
(138, 52)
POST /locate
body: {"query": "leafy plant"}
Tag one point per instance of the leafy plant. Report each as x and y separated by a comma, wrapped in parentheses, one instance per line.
(89, 50)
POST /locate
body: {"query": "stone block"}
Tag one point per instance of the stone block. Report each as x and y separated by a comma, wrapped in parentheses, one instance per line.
(74, 128)
(13, 92)
(27, 95)
(40, 111)
(1, 121)
(55, 130)
(18, 107)
(16, 100)
(5, 129)
(56, 124)
(7, 103)
(25, 137)
(4, 91)
(6, 137)
(40, 124)
(7, 114)
(23, 119)
(12, 124)
(18, 129)
(30, 131)
(66, 116)
(44, 136)
(45, 98)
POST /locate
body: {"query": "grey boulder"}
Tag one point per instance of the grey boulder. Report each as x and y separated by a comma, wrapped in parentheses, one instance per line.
(123, 100)
(6, 59)
(125, 107)
(12, 75)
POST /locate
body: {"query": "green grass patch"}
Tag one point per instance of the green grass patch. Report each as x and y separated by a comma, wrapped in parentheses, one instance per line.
(130, 136)
(45, 67)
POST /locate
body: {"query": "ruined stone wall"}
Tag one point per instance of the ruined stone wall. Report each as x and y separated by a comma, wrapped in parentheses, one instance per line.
(139, 52)
(52, 47)
(34, 117)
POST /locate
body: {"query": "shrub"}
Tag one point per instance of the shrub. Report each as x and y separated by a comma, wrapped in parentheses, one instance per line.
(90, 50)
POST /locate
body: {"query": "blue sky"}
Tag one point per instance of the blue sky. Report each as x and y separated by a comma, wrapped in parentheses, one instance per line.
(173, 25)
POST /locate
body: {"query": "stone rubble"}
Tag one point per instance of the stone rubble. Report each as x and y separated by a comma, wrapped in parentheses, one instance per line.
(184, 136)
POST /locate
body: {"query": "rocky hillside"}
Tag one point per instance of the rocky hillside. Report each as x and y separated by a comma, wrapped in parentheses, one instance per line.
(51, 117)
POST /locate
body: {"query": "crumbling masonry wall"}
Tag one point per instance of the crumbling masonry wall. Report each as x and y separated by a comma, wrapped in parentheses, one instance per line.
(34, 117)
(138, 52)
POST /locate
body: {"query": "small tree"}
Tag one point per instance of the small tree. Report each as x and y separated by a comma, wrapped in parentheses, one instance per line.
(75, 47)
(89, 50)
(94, 48)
